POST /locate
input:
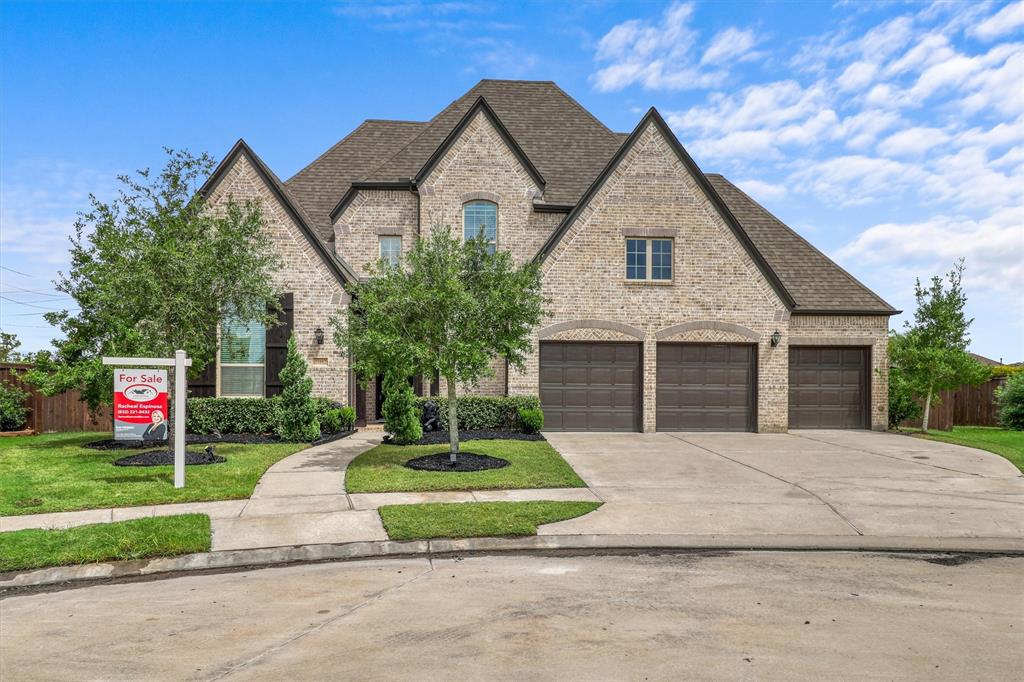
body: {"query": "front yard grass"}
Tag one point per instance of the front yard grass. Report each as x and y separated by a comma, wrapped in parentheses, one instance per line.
(136, 539)
(1008, 444)
(53, 472)
(476, 519)
(534, 464)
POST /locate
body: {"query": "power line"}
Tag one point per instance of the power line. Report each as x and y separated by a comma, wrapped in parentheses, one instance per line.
(16, 272)
(30, 305)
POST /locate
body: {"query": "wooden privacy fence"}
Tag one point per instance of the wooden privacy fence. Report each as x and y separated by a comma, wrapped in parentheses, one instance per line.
(64, 412)
(966, 406)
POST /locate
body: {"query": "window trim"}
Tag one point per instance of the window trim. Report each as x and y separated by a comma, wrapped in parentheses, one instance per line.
(218, 387)
(497, 220)
(648, 251)
(380, 247)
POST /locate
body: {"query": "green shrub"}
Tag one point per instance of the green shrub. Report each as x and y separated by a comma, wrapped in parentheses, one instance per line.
(400, 411)
(298, 409)
(348, 417)
(324, 405)
(330, 422)
(531, 420)
(12, 407)
(1005, 370)
(485, 412)
(232, 415)
(1010, 399)
(902, 405)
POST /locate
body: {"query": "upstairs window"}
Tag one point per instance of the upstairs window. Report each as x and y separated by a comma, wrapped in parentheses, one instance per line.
(481, 217)
(242, 358)
(391, 249)
(649, 259)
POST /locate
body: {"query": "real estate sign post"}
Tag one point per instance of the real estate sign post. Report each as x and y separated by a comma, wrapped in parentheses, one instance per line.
(140, 394)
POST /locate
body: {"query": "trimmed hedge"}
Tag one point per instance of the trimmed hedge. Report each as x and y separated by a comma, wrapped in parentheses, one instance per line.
(480, 412)
(251, 415)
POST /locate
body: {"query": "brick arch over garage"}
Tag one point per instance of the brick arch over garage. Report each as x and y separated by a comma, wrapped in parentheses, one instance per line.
(556, 331)
(708, 325)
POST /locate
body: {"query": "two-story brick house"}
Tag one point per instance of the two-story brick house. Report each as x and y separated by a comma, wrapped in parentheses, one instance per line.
(677, 302)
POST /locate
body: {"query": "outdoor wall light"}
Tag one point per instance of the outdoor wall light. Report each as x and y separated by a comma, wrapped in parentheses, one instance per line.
(318, 334)
(776, 337)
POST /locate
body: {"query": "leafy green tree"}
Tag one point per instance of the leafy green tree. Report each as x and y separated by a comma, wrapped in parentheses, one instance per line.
(931, 354)
(1010, 400)
(902, 405)
(298, 410)
(9, 345)
(449, 308)
(12, 407)
(151, 272)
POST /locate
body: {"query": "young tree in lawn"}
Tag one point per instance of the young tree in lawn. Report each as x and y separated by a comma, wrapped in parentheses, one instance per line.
(151, 272)
(450, 307)
(931, 354)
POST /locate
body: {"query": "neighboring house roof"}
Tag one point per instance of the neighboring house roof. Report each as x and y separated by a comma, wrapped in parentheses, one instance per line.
(569, 153)
(986, 361)
(337, 265)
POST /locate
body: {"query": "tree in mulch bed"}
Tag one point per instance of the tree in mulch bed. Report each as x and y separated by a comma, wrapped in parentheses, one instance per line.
(449, 308)
(156, 458)
(298, 410)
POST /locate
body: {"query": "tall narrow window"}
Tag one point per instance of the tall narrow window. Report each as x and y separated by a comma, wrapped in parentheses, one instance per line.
(481, 218)
(636, 259)
(661, 259)
(242, 357)
(649, 259)
(391, 249)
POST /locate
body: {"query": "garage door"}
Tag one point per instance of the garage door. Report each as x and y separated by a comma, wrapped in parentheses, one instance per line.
(590, 386)
(705, 387)
(828, 388)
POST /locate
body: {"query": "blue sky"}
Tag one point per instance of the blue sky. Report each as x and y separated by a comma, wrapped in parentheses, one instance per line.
(889, 134)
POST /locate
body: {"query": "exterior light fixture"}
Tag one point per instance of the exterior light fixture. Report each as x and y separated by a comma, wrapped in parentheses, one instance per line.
(776, 337)
(318, 334)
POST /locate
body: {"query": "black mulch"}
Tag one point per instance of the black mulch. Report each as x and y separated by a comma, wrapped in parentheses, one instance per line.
(202, 439)
(467, 461)
(440, 437)
(156, 458)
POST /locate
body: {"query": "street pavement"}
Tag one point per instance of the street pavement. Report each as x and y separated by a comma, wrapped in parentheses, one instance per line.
(752, 615)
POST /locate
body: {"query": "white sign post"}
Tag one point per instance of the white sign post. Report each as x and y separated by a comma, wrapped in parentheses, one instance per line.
(179, 363)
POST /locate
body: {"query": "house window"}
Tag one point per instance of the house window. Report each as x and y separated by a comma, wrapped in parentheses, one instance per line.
(481, 218)
(649, 259)
(391, 249)
(242, 358)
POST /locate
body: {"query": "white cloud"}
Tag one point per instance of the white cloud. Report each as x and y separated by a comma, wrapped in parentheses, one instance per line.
(857, 75)
(912, 141)
(1002, 22)
(759, 189)
(732, 43)
(856, 179)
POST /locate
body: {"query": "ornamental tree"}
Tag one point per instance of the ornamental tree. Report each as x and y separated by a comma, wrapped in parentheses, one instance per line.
(449, 307)
(931, 354)
(152, 272)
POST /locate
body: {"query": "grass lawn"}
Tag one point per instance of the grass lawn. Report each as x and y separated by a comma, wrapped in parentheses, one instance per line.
(1009, 444)
(136, 539)
(476, 519)
(534, 464)
(53, 472)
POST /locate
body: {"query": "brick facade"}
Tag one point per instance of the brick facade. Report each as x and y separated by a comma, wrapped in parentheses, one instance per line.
(317, 293)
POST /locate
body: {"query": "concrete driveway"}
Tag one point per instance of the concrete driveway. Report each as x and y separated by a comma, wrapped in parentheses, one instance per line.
(805, 483)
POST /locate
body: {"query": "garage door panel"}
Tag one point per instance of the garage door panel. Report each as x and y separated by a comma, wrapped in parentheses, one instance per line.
(705, 387)
(590, 386)
(828, 388)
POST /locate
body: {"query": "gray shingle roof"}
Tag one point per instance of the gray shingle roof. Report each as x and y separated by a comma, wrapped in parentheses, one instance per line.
(320, 185)
(810, 277)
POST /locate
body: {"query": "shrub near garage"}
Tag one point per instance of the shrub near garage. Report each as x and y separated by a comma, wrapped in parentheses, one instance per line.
(484, 412)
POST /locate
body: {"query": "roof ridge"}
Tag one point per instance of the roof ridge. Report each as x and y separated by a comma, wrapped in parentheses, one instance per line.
(579, 106)
(809, 244)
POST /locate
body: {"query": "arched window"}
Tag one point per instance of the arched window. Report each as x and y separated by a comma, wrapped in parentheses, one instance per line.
(481, 217)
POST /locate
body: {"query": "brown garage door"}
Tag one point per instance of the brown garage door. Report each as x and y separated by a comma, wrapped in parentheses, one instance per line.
(590, 386)
(705, 387)
(828, 388)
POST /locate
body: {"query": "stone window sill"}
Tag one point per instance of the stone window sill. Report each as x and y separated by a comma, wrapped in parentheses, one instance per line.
(650, 282)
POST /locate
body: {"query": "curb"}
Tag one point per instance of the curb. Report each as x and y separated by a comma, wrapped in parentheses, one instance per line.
(576, 544)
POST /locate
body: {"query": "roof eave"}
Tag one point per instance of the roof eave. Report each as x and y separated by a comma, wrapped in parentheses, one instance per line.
(845, 311)
(354, 188)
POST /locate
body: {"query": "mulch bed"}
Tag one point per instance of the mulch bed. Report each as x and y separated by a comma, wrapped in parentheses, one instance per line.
(204, 438)
(467, 461)
(441, 437)
(157, 458)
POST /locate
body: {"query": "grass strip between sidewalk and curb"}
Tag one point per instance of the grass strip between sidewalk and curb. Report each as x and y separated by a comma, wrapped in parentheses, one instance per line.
(1003, 442)
(533, 464)
(54, 473)
(476, 519)
(160, 536)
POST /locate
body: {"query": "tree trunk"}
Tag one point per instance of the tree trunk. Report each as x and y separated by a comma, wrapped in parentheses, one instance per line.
(453, 420)
(927, 411)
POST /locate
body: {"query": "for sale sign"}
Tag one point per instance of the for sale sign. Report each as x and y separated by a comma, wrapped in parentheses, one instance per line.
(140, 404)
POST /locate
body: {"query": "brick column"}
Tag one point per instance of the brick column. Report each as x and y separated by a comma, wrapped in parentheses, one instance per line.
(650, 374)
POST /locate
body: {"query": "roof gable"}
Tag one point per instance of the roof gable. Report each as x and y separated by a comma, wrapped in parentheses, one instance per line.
(338, 267)
(653, 117)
